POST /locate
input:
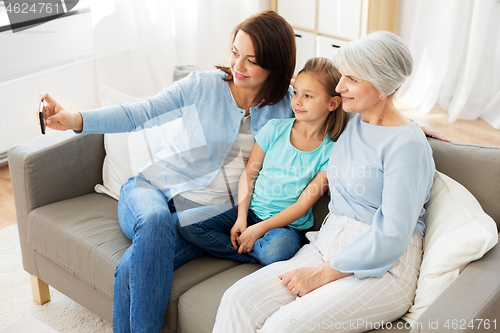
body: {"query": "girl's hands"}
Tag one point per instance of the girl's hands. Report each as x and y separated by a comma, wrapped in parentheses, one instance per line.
(304, 280)
(56, 117)
(238, 228)
(248, 237)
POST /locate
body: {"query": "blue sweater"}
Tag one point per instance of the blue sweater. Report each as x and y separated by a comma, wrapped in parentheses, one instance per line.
(381, 176)
(210, 123)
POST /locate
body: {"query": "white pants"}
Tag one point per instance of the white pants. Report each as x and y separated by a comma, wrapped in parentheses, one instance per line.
(261, 303)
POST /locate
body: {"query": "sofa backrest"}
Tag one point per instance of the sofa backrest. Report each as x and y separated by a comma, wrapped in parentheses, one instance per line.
(54, 167)
(475, 167)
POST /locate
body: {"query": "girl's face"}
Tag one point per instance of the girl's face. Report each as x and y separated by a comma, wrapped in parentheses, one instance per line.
(310, 101)
(246, 72)
(357, 95)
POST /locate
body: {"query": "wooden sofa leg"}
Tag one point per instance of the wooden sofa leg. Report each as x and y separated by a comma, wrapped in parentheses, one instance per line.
(40, 290)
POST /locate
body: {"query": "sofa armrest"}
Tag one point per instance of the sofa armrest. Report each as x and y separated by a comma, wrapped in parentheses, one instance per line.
(473, 299)
(54, 167)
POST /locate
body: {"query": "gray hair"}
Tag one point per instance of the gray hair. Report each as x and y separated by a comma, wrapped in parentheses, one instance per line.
(380, 58)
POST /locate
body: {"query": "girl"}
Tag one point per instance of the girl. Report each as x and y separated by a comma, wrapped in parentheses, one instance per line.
(284, 177)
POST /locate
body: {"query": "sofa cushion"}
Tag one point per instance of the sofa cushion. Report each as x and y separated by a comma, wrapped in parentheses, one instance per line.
(198, 306)
(82, 235)
(458, 232)
(187, 276)
(475, 167)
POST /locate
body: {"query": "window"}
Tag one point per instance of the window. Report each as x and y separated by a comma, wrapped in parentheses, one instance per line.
(4, 20)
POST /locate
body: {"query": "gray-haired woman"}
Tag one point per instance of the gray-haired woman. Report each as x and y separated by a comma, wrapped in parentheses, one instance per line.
(360, 270)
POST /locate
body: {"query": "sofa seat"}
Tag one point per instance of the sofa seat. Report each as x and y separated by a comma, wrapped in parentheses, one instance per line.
(91, 245)
(198, 306)
(70, 237)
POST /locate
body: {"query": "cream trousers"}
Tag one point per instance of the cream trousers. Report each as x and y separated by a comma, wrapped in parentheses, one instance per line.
(261, 303)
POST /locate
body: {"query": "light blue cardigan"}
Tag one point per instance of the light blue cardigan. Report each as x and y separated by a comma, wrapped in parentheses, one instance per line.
(381, 176)
(192, 157)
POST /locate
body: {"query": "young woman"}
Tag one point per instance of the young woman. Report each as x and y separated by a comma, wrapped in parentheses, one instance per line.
(284, 177)
(361, 268)
(187, 169)
(221, 110)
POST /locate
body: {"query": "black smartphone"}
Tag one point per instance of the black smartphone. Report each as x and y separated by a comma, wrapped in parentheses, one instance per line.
(40, 115)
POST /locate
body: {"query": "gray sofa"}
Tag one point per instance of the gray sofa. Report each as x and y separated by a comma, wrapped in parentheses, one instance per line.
(71, 239)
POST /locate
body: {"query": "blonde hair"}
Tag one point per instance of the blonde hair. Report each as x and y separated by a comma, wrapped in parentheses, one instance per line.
(329, 76)
(380, 58)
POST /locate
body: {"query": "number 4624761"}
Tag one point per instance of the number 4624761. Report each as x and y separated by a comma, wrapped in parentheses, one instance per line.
(473, 324)
(39, 7)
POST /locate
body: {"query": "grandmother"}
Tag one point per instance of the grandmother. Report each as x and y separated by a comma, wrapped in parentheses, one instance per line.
(361, 268)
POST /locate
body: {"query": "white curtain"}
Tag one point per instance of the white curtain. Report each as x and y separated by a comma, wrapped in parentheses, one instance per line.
(137, 43)
(456, 50)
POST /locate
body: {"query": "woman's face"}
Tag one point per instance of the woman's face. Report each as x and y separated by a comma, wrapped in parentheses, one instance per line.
(246, 72)
(357, 95)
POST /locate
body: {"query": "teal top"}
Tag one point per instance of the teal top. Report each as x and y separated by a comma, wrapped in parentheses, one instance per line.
(286, 171)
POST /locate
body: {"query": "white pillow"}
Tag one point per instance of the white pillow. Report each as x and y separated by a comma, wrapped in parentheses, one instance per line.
(127, 153)
(458, 232)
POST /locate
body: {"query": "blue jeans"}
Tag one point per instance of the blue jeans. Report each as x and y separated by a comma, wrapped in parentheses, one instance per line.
(143, 277)
(213, 236)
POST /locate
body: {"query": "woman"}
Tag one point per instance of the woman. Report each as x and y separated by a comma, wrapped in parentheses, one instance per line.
(221, 110)
(361, 268)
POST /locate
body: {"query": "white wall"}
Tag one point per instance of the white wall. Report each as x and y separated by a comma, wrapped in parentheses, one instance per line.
(405, 21)
(56, 57)
(208, 43)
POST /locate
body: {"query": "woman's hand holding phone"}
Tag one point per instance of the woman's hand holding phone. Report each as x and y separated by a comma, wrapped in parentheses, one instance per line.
(56, 117)
(40, 117)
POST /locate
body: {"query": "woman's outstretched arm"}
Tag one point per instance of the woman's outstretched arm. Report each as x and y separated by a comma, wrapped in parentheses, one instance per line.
(58, 118)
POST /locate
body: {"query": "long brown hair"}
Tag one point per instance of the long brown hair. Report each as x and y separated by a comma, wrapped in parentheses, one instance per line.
(273, 41)
(329, 76)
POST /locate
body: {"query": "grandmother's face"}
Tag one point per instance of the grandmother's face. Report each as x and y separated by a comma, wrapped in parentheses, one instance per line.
(358, 95)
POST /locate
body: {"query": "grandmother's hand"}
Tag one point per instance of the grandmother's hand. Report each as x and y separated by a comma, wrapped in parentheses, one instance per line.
(432, 133)
(304, 280)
